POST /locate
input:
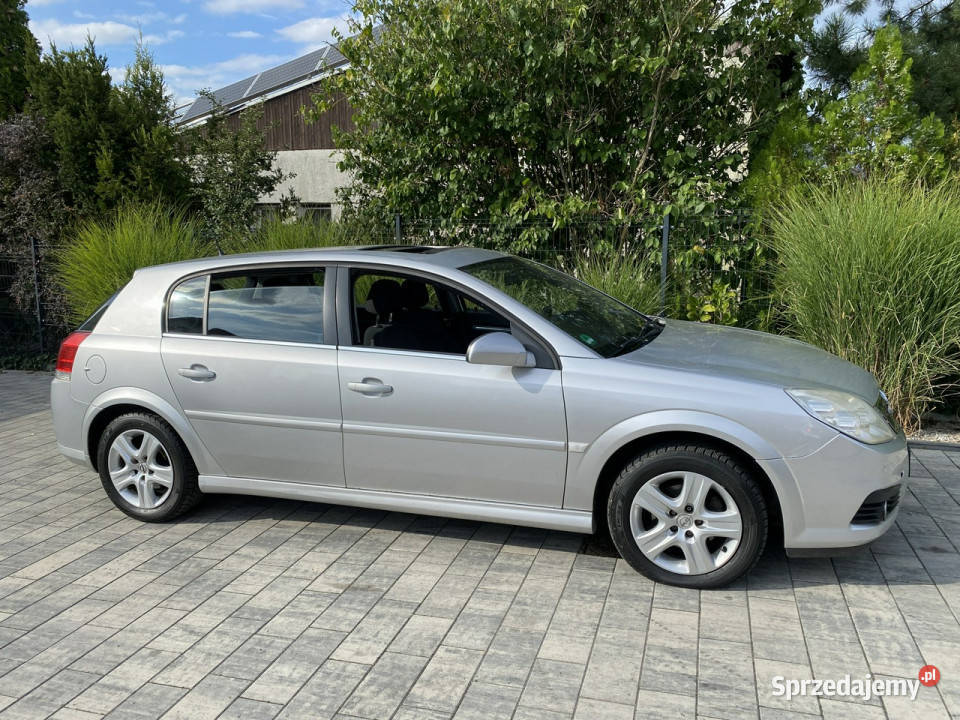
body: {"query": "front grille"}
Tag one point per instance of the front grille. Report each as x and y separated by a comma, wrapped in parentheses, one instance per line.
(878, 506)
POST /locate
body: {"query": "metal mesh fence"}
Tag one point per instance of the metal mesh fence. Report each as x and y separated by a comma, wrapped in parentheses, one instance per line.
(703, 268)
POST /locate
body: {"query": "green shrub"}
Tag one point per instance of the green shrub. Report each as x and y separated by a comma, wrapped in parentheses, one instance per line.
(870, 271)
(104, 254)
(287, 235)
(621, 275)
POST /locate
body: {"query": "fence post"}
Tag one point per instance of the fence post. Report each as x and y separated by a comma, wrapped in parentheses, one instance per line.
(664, 240)
(397, 229)
(36, 290)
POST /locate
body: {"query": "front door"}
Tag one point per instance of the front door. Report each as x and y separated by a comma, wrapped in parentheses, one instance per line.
(255, 377)
(418, 418)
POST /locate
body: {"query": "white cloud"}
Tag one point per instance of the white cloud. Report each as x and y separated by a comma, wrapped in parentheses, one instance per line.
(226, 7)
(41, 3)
(180, 19)
(244, 34)
(142, 18)
(75, 34)
(314, 32)
(185, 80)
(168, 36)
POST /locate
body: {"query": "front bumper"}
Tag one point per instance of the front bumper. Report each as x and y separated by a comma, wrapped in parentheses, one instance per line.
(832, 486)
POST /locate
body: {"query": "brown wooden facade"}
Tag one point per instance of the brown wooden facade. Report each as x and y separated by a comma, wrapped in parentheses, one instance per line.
(284, 125)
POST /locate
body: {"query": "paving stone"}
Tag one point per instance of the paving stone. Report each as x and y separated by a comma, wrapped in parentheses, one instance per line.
(384, 687)
(445, 679)
(208, 699)
(484, 701)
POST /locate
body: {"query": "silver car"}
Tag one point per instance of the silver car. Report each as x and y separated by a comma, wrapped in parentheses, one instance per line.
(473, 384)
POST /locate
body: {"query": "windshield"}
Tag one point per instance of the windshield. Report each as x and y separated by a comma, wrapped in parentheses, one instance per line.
(603, 324)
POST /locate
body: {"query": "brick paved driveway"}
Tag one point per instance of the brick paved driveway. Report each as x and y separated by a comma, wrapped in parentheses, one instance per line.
(254, 608)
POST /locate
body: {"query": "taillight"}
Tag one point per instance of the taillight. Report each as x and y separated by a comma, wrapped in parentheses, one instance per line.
(68, 351)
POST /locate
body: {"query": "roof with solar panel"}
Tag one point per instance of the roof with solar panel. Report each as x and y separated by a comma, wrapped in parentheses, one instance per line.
(274, 81)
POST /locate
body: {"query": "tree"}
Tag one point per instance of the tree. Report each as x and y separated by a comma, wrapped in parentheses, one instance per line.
(930, 32)
(18, 48)
(231, 170)
(71, 90)
(32, 207)
(145, 159)
(555, 109)
(873, 129)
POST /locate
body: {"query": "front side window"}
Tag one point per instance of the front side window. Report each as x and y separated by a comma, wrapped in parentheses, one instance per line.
(603, 324)
(283, 305)
(402, 312)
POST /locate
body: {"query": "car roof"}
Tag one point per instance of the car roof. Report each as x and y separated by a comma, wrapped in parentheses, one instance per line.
(414, 256)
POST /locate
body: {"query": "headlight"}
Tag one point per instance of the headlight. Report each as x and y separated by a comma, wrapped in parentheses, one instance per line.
(847, 413)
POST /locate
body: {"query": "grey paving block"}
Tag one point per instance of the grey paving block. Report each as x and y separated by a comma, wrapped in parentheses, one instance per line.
(207, 700)
(444, 679)
(380, 693)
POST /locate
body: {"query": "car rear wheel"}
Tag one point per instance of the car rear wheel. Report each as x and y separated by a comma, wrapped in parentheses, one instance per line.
(688, 515)
(145, 468)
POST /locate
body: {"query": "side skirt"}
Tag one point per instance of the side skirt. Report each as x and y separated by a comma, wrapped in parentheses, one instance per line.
(577, 521)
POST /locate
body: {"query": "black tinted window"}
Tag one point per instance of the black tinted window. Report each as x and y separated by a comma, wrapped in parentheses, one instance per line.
(283, 305)
(402, 312)
(185, 310)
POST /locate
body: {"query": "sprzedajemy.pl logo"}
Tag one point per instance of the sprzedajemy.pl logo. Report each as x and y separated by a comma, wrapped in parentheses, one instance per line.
(865, 687)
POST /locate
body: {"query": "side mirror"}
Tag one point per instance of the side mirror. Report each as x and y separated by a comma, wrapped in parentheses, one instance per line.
(499, 348)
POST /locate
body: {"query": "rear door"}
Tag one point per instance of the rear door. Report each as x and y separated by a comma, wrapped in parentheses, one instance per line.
(252, 358)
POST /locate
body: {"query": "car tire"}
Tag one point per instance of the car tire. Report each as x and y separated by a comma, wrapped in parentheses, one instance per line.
(146, 469)
(688, 515)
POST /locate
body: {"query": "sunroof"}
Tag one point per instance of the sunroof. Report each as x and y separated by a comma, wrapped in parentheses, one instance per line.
(419, 249)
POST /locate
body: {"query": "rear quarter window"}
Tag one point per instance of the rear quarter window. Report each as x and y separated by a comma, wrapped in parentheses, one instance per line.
(185, 307)
(91, 322)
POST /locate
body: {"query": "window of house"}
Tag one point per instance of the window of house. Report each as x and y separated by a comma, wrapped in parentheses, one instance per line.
(315, 212)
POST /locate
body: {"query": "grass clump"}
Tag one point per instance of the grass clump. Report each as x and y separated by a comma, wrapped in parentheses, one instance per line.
(621, 275)
(279, 234)
(870, 271)
(103, 255)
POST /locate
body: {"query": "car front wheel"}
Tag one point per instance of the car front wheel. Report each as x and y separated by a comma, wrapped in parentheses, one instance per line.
(145, 468)
(687, 515)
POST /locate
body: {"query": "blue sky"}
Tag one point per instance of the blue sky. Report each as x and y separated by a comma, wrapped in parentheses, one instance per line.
(198, 43)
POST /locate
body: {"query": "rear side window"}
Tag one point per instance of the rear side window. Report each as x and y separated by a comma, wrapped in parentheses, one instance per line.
(185, 309)
(282, 305)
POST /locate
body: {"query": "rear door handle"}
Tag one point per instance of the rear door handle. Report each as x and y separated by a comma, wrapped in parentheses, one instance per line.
(370, 386)
(197, 372)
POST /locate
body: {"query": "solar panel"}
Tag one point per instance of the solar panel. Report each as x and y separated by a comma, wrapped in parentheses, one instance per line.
(300, 68)
(287, 73)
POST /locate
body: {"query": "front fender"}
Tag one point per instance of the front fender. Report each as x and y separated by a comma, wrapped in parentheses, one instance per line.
(206, 465)
(587, 462)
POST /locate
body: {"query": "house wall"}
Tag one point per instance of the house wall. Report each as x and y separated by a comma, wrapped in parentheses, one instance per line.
(317, 177)
(306, 149)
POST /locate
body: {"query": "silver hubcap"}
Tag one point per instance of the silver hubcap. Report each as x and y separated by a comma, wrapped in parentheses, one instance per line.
(685, 523)
(140, 469)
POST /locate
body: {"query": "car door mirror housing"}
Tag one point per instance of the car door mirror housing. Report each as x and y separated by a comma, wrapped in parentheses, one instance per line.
(499, 348)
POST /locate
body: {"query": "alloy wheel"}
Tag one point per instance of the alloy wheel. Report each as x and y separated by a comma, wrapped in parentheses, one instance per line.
(140, 469)
(685, 522)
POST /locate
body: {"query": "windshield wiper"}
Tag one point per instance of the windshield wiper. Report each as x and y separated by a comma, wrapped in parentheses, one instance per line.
(651, 328)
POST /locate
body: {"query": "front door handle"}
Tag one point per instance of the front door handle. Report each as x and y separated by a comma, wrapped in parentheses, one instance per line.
(370, 387)
(197, 372)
